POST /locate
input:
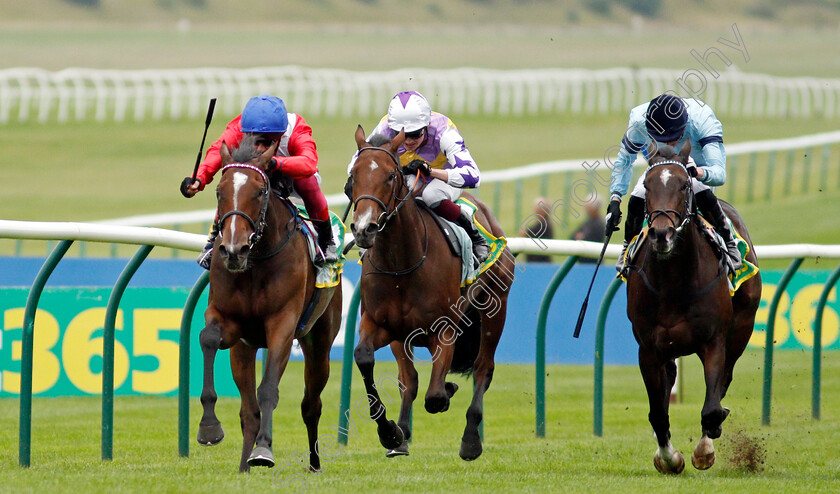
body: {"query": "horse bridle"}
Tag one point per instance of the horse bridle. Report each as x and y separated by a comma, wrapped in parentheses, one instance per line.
(386, 215)
(259, 225)
(681, 220)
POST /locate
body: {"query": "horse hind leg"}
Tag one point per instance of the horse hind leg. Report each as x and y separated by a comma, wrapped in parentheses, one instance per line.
(316, 353)
(666, 459)
(209, 429)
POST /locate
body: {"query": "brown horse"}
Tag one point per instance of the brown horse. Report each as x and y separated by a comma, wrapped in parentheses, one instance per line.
(678, 301)
(411, 296)
(261, 285)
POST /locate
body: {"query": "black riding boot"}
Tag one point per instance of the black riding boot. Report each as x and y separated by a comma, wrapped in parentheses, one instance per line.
(205, 257)
(325, 242)
(632, 226)
(480, 248)
(710, 207)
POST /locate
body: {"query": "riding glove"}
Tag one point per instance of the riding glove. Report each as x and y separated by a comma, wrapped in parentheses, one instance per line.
(414, 166)
(613, 218)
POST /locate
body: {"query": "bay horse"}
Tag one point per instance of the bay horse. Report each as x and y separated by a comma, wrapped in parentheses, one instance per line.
(261, 285)
(679, 303)
(411, 296)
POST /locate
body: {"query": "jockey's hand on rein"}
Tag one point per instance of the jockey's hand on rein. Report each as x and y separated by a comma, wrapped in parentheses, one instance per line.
(414, 166)
(613, 218)
(691, 168)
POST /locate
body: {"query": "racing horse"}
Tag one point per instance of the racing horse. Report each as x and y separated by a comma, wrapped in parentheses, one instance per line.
(679, 303)
(263, 295)
(411, 296)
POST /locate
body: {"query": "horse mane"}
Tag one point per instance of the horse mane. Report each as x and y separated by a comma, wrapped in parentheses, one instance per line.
(246, 150)
(378, 140)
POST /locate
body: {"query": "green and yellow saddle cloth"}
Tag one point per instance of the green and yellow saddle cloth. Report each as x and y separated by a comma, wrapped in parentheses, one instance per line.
(747, 271)
(330, 274)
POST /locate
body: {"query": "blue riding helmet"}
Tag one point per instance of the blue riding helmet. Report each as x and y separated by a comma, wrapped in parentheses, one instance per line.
(264, 113)
(666, 118)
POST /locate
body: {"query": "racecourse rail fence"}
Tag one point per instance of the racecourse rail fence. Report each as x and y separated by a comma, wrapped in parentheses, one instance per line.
(148, 238)
(31, 94)
(758, 171)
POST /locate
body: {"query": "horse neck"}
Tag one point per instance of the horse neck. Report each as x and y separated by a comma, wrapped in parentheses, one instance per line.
(276, 216)
(682, 267)
(403, 240)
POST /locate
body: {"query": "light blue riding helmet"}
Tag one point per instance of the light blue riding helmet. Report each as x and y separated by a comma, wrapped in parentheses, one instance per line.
(264, 113)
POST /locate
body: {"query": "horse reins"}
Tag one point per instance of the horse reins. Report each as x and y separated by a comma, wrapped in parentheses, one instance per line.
(259, 225)
(386, 215)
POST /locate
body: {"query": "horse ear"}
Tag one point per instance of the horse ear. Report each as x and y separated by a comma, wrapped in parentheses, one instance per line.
(685, 151)
(398, 140)
(263, 159)
(225, 153)
(360, 137)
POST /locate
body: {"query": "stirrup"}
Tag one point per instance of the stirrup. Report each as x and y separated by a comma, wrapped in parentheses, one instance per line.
(326, 256)
(733, 256)
(205, 257)
(620, 266)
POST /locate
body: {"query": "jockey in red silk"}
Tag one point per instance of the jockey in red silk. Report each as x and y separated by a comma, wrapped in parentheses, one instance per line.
(296, 157)
(671, 120)
(433, 146)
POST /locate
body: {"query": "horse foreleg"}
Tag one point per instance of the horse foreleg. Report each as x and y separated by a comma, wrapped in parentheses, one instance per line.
(242, 359)
(209, 429)
(442, 350)
(666, 459)
(372, 337)
(279, 338)
(713, 414)
(408, 393)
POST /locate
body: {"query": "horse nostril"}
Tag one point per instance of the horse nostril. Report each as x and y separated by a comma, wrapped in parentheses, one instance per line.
(353, 227)
(244, 251)
(371, 229)
(223, 251)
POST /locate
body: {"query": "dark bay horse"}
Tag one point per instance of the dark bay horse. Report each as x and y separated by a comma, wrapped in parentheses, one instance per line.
(261, 283)
(411, 296)
(679, 303)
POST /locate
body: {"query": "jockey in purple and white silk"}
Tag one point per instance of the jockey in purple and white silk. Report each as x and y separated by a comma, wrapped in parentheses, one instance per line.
(433, 146)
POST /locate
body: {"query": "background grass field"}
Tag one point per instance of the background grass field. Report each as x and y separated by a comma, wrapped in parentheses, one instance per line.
(800, 452)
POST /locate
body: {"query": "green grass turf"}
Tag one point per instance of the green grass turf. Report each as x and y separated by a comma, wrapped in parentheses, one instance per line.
(800, 452)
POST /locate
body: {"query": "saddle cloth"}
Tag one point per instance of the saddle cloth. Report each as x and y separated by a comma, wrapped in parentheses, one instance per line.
(736, 279)
(330, 274)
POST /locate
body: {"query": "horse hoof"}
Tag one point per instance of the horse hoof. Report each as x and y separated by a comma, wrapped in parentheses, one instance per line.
(451, 388)
(401, 450)
(470, 447)
(392, 438)
(210, 435)
(703, 456)
(437, 404)
(674, 469)
(261, 457)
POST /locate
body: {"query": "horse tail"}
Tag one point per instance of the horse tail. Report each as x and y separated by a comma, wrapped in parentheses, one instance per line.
(467, 343)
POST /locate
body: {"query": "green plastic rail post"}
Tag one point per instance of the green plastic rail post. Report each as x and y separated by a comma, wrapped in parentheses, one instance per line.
(598, 400)
(768, 345)
(108, 349)
(25, 433)
(817, 367)
(347, 364)
(542, 318)
(184, 364)
(771, 170)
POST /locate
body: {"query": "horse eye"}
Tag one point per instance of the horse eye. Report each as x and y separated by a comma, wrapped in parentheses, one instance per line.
(392, 176)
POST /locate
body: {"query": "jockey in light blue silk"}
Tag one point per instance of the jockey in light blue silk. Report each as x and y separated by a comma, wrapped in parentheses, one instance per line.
(434, 147)
(670, 120)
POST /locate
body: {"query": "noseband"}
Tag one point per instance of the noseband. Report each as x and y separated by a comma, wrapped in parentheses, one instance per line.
(386, 215)
(259, 225)
(682, 219)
